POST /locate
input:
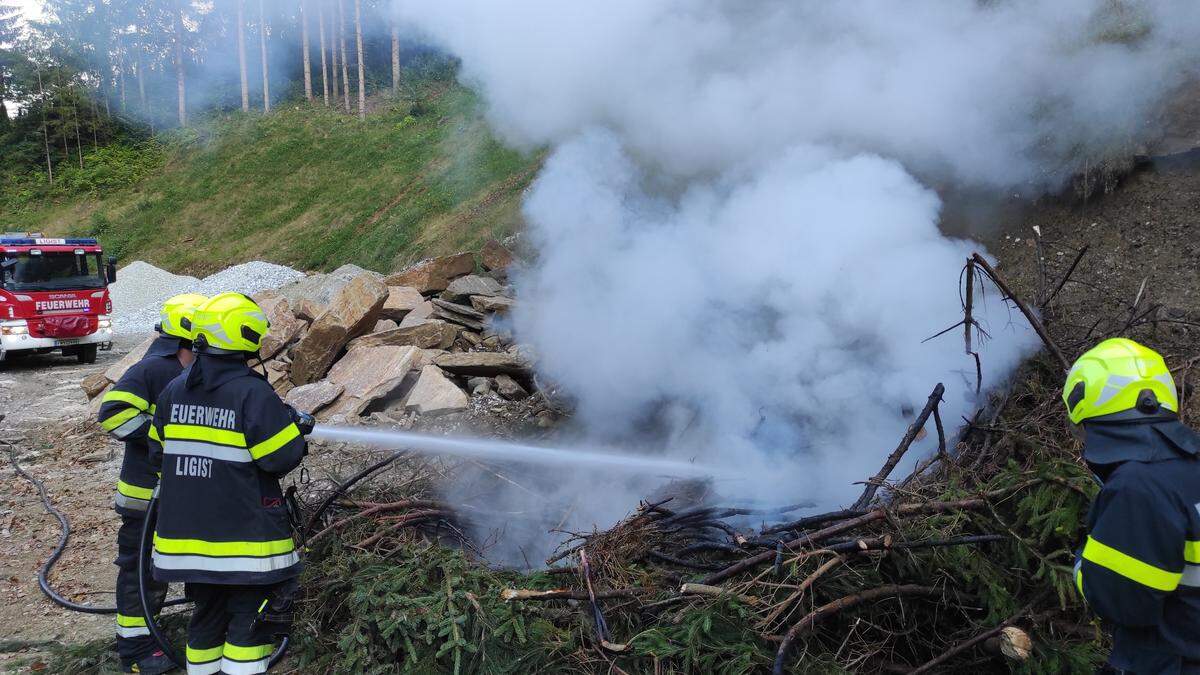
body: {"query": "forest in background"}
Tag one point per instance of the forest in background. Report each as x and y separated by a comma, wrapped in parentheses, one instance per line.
(325, 139)
(93, 84)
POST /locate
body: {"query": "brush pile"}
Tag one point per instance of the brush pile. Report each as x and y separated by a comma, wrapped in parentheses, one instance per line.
(964, 563)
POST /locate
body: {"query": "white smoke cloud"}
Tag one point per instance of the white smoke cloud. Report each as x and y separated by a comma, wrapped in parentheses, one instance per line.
(994, 92)
(734, 221)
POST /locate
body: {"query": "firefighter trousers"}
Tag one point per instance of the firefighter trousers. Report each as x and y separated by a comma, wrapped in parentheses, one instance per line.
(133, 637)
(223, 636)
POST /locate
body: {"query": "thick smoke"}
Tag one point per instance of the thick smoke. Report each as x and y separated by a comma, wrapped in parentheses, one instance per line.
(734, 228)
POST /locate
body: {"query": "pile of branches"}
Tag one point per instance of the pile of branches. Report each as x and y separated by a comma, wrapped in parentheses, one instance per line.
(963, 563)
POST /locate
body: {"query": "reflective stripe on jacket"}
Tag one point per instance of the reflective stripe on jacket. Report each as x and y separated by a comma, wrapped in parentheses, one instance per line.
(125, 413)
(1140, 565)
(222, 442)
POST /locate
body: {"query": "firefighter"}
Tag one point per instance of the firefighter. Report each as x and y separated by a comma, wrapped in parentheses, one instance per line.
(125, 413)
(1139, 568)
(223, 438)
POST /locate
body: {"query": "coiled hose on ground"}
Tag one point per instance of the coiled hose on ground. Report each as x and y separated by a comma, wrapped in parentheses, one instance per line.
(63, 538)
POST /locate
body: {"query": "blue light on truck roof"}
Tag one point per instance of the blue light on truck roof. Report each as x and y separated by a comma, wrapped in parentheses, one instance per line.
(26, 241)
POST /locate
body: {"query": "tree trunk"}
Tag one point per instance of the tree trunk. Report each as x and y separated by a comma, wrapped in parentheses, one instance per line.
(395, 59)
(262, 41)
(362, 85)
(104, 51)
(333, 50)
(241, 38)
(78, 133)
(307, 60)
(345, 62)
(95, 117)
(3, 95)
(121, 82)
(140, 79)
(321, 35)
(179, 75)
(45, 126)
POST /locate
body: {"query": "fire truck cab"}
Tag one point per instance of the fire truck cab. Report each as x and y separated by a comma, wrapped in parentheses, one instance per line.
(54, 296)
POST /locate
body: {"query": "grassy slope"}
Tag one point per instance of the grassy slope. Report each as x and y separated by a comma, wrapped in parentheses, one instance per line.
(315, 189)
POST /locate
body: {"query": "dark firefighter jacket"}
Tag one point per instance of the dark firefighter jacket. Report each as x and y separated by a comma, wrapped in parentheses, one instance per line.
(223, 438)
(125, 412)
(1140, 566)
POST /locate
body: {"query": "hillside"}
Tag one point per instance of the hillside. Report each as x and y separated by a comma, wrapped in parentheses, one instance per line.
(308, 188)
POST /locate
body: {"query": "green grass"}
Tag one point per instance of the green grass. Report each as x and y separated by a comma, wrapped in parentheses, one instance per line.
(311, 188)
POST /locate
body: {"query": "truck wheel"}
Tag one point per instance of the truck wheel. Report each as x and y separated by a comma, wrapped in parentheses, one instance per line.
(86, 354)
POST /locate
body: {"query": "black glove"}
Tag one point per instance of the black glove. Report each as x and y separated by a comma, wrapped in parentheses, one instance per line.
(304, 421)
(278, 610)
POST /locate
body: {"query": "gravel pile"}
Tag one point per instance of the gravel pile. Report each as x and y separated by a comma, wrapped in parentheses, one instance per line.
(141, 288)
(140, 283)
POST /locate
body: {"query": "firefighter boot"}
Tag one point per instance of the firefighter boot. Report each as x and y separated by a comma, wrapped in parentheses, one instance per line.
(155, 664)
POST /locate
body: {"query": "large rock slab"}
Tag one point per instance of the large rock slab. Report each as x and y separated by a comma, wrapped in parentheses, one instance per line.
(459, 314)
(116, 370)
(285, 327)
(435, 394)
(320, 289)
(311, 398)
(435, 274)
(352, 312)
(400, 301)
(488, 364)
(420, 314)
(370, 373)
(431, 334)
(497, 304)
(461, 289)
(495, 257)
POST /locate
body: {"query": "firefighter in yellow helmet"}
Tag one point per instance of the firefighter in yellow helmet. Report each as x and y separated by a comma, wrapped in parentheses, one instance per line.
(1140, 566)
(223, 438)
(125, 413)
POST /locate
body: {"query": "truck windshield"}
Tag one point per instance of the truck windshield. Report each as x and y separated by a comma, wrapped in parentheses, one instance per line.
(51, 271)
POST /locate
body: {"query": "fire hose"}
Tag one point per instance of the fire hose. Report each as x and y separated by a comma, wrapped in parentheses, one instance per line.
(63, 538)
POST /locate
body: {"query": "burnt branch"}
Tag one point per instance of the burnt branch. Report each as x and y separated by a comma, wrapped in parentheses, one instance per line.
(1032, 318)
(914, 429)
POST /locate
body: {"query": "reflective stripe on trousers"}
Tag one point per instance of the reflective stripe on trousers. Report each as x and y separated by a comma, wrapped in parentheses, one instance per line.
(204, 661)
(238, 660)
(131, 626)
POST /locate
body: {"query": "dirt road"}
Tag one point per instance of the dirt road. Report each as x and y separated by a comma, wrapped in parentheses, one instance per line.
(46, 424)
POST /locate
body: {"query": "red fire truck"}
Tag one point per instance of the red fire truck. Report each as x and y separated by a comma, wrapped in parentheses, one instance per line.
(54, 296)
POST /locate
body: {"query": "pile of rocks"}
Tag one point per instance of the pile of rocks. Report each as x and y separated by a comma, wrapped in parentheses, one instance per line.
(423, 340)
